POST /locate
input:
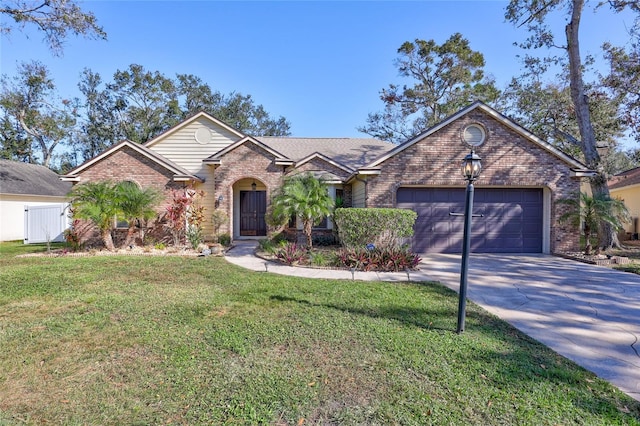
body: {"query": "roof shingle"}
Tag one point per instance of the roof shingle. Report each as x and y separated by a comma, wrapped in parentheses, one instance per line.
(30, 179)
(350, 152)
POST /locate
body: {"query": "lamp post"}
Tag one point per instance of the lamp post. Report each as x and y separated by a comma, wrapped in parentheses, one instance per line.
(471, 167)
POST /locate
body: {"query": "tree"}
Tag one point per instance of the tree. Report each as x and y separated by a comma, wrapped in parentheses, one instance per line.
(139, 104)
(446, 78)
(55, 18)
(305, 197)
(137, 205)
(240, 112)
(30, 99)
(99, 129)
(591, 211)
(14, 142)
(237, 110)
(535, 15)
(97, 202)
(546, 109)
(624, 80)
(146, 102)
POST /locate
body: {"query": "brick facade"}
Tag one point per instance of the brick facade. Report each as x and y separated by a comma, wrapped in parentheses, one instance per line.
(508, 160)
(127, 164)
(247, 161)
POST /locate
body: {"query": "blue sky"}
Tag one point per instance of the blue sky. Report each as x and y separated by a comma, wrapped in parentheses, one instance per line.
(320, 65)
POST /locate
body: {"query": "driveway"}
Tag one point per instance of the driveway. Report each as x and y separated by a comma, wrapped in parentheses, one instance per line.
(590, 314)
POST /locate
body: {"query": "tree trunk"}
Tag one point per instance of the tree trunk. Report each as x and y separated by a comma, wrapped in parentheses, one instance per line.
(131, 231)
(607, 235)
(308, 229)
(108, 240)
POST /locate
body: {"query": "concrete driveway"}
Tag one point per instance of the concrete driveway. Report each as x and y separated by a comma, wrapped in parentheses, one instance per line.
(590, 314)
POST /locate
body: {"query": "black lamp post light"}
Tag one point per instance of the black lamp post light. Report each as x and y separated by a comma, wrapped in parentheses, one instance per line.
(471, 168)
(473, 136)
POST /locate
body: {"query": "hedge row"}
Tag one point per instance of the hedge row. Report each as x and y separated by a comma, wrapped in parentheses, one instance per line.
(384, 228)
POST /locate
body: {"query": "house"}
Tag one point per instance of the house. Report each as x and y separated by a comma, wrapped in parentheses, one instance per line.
(626, 186)
(523, 177)
(37, 191)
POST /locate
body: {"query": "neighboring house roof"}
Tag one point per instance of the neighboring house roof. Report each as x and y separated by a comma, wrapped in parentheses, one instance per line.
(579, 168)
(624, 179)
(180, 173)
(30, 179)
(349, 152)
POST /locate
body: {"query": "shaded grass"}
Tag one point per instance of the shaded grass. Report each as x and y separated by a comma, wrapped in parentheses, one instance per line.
(133, 340)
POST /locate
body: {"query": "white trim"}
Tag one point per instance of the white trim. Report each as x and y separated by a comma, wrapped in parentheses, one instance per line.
(188, 121)
(582, 173)
(368, 172)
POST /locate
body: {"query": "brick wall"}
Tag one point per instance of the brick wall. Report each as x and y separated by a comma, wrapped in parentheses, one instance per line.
(508, 159)
(127, 164)
(248, 161)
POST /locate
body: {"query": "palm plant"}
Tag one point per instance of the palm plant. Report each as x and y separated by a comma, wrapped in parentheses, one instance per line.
(136, 204)
(305, 197)
(593, 211)
(97, 202)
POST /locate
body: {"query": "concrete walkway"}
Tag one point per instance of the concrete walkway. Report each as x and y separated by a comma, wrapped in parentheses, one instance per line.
(589, 314)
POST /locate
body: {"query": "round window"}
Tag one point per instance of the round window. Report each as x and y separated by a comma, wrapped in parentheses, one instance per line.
(474, 135)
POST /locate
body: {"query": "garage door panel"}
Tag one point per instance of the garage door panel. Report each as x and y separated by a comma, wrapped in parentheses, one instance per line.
(511, 222)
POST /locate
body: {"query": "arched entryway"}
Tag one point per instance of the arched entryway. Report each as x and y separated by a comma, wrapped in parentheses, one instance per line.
(250, 197)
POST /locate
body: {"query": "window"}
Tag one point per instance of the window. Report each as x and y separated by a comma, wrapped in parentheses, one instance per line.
(121, 223)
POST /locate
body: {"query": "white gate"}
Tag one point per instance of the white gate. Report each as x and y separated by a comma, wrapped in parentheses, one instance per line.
(45, 223)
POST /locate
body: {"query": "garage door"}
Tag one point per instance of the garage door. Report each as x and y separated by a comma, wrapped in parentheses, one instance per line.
(511, 221)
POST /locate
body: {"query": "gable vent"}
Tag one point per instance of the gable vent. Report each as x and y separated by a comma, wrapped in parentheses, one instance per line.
(474, 135)
(203, 135)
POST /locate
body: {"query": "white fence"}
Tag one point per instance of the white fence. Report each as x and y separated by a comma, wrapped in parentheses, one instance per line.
(45, 223)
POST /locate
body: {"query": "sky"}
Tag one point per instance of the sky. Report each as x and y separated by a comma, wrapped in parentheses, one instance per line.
(319, 64)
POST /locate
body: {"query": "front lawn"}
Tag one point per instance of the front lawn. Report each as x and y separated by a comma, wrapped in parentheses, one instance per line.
(159, 340)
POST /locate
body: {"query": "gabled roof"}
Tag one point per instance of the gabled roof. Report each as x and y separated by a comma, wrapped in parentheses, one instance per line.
(179, 172)
(216, 158)
(575, 164)
(624, 179)
(325, 159)
(188, 121)
(348, 152)
(30, 179)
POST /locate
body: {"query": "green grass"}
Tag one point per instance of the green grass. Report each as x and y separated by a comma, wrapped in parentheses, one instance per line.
(155, 340)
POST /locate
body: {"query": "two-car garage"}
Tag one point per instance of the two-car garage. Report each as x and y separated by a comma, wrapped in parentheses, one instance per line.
(511, 219)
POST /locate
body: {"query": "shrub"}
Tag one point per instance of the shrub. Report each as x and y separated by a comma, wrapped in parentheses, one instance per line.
(388, 259)
(324, 240)
(224, 239)
(319, 258)
(291, 253)
(218, 218)
(194, 236)
(72, 237)
(385, 228)
(271, 246)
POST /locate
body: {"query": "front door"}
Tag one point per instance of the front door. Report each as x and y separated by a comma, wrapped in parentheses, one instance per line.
(253, 206)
